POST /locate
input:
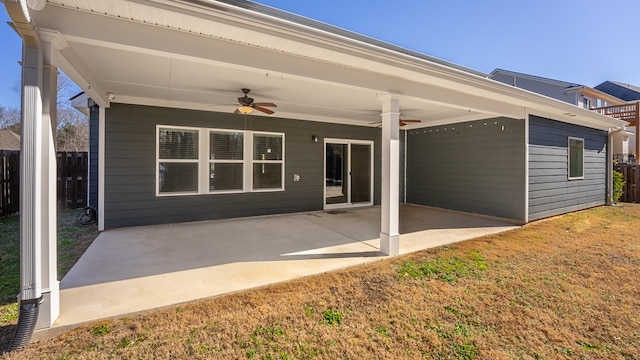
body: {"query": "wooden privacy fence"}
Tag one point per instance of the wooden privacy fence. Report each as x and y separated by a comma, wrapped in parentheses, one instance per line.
(72, 180)
(9, 182)
(631, 173)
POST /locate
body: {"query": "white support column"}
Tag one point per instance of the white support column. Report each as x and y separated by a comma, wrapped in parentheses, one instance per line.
(101, 166)
(50, 306)
(390, 205)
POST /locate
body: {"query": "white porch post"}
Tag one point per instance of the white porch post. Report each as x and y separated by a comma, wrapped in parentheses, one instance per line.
(389, 228)
(50, 306)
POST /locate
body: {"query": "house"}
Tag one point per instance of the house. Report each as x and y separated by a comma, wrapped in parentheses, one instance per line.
(9, 140)
(630, 94)
(576, 94)
(626, 92)
(179, 136)
(605, 95)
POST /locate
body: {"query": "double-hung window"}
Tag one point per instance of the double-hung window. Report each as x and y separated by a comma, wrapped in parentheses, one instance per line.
(576, 158)
(209, 161)
(178, 160)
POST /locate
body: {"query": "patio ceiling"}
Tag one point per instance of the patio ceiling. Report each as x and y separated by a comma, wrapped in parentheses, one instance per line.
(199, 54)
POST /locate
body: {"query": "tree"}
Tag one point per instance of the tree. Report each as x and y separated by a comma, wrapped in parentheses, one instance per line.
(9, 119)
(73, 130)
(72, 126)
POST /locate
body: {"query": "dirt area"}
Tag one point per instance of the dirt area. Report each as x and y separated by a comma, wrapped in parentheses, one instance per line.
(560, 288)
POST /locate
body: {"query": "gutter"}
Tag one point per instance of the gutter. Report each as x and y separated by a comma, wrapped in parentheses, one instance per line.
(30, 252)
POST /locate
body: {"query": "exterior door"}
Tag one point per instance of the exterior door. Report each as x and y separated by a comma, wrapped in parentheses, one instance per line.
(348, 173)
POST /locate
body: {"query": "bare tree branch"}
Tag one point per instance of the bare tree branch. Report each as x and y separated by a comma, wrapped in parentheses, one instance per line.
(72, 130)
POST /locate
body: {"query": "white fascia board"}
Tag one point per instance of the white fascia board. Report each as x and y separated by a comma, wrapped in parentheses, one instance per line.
(81, 103)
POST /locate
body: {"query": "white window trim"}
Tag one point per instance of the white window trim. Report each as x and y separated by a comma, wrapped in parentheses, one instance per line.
(158, 160)
(569, 177)
(204, 161)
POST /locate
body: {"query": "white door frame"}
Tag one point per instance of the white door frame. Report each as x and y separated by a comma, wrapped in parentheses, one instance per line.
(347, 177)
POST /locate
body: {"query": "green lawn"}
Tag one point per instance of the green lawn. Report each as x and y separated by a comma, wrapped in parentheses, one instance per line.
(73, 240)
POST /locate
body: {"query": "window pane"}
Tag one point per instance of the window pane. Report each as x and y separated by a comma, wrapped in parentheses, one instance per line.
(224, 176)
(576, 158)
(267, 176)
(178, 177)
(226, 145)
(178, 144)
(267, 147)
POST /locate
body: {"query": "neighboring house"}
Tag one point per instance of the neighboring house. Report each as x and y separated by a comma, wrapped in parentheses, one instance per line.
(631, 94)
(576, 94)
(626, 92)
(579, 95)
(173, 144)
(9, 140)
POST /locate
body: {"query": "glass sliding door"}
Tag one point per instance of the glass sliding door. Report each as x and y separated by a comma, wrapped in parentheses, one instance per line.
(348, 173)
(360, 173)
(336, 162)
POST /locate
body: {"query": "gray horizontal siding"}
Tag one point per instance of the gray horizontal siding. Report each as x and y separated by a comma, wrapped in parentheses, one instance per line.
(556, 91)
(474, 166)
(130, 167)
(550, 191)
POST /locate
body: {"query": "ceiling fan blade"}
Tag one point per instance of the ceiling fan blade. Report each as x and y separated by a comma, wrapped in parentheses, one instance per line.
(237, 112)
(266, 111)
(404, 122)
(265, 104)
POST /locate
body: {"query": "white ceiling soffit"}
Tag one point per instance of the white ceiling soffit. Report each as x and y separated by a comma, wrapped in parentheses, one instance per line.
(198, 54)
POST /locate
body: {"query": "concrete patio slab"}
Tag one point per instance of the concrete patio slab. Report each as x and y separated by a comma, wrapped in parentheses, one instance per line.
(130, 270)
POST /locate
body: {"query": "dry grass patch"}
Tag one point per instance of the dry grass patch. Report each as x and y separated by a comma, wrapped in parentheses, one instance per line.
(560, 288)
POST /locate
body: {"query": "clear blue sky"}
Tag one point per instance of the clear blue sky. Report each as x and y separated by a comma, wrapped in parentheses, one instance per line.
(572, 40)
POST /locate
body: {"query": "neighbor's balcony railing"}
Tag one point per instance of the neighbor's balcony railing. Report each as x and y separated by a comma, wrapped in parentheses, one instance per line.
(626, 112)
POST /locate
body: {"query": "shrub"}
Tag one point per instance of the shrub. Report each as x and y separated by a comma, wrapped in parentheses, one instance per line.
(618, 185)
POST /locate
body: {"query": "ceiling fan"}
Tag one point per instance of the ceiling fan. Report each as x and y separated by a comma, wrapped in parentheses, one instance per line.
(403, 122)
(246, 104)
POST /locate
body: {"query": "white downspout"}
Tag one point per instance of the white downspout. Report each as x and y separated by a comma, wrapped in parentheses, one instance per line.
(609, 200)
(31, 167)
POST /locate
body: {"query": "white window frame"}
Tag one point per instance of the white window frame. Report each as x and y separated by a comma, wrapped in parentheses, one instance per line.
(190, 161)
(569, 159)
(204, 161)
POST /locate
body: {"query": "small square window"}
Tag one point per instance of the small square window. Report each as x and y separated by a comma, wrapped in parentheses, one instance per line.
(576, 158)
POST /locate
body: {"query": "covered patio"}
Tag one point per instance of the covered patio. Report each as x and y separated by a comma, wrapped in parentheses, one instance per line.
(136, 269)
(159, 70)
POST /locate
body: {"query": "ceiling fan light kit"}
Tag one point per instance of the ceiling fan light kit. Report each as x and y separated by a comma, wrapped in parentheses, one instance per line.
(243, 109)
